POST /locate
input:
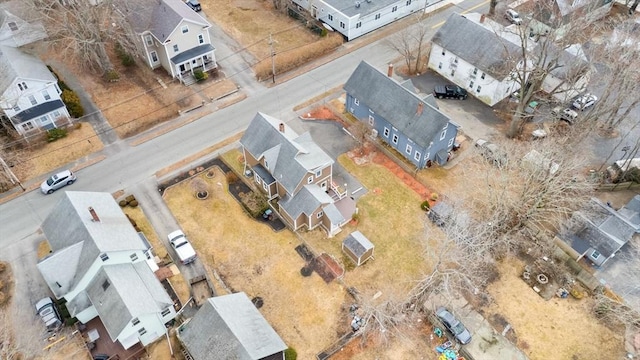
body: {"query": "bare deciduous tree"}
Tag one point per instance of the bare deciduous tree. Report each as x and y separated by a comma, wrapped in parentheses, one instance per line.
(412, 43)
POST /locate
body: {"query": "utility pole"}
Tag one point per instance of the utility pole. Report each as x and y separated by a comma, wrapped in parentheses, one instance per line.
(273, 59)
(12, 176)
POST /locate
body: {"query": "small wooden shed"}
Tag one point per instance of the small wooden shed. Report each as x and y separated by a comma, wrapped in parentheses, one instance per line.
(357, 247)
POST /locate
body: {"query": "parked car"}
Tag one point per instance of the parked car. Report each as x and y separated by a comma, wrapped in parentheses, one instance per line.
(567, 114)
(584, 101)
(49, 314)
(450, 92)
(182, 246)
(57, 181)
(454, 326)
(513, 17)
(194, 4)
(492, 152)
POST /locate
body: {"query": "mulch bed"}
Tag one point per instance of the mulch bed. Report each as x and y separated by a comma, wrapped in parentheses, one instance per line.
(328, 269)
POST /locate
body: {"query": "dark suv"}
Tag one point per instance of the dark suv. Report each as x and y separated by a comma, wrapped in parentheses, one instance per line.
(194, 4)
(450, 92)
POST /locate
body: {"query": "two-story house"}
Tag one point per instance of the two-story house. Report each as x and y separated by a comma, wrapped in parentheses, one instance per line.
(475, 58)
(294, 170)
(557, 15)
(98, 264)
(412, 125)
(230, 327)
(19, 25)
(29, 93)
(173, 37)
(356, 18)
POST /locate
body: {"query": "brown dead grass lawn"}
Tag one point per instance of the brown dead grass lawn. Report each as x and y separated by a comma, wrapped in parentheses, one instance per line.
(254, 259)
(181, 288)
(139, 217)
(42, 160)
(72, 347)
(554, 329)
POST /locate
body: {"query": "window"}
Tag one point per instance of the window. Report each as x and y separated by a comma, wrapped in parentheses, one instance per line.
(409, 149)
(394, 9)
(453, 72)
(149, 40)
(264, 186)
(443, 134)
(358, 24)
(185, 29)
(310, 180)
(319, 173)
(135, 321)
(479, 88)
(356, 101)
(32, 100)
(13, 26)
(595, 254)
(56, 114)
(200, 39)
(482, 76)
(377, 16)
(450, 142)
(44, 120)
(166, 311)
(266, 165)
(142, 331)
(395, 139)
(320, 214)
(22, 86)
(408, 2)
(427, 156)
(258, 179)
(16, 108)
(104, 257)
(475, 71)
(439, 65)
(386, 132)
(175, 48)
(416, 156)
(154, 56)
(341, 24)
(371, 120)
(330, 17)
(133, 257)
(27, 126)
(46, 95)
(471, 85)
(105, 285)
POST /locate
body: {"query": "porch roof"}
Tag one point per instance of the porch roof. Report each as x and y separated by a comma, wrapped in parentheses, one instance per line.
(192, 53)
(37, 111)
(264, 174)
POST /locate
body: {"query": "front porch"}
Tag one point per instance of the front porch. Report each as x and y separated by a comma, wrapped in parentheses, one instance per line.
(199, 58)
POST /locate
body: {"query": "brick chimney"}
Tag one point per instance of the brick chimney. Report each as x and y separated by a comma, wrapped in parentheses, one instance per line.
(390, 70)
(420, 108)
(281, 127)
(94, 215)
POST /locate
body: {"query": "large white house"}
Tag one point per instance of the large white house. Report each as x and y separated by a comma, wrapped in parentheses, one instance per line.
(353, 18)
(29, 93)
(173, 36)
(98, 264)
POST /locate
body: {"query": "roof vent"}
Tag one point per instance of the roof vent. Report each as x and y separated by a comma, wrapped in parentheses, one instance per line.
(357, 4)
(281, 127)
(94, 215)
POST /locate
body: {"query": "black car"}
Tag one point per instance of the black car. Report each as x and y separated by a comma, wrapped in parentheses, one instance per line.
(455, 327)
(450, 92)
(194, 4)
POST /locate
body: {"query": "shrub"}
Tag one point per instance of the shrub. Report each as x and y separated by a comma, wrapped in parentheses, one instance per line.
(122, 203)
(290, 354)
(111, 75)
(55, 134)
(231, 177)
(72, 101)
(125, 58)
(129, 198)
(434, 196)
(425, 205)
(200, 75)
(133, 203)
(77, 125)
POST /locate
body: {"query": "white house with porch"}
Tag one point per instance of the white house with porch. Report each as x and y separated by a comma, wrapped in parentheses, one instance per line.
(173, 37)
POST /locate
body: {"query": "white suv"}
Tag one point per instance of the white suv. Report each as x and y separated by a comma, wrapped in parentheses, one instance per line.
(584, 101)
(513, 17)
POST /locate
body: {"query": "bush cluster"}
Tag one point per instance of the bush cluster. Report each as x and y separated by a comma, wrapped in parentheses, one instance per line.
(55, 134)
(200, 75)
(290, 354)
(125, 58)
(72, 102)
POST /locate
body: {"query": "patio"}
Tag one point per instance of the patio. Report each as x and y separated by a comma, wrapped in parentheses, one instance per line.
(99, 342)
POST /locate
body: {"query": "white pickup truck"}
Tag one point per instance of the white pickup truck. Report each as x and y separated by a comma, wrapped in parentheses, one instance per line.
(182, 246)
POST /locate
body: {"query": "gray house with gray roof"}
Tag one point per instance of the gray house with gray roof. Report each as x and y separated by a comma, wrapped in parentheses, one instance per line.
(408, 123)
(295, 170)
(230, 327)
(29, 93)
(173, 37)
(356, 18)
(98, 264)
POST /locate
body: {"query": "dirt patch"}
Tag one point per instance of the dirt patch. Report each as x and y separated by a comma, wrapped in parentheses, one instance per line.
(328, 269)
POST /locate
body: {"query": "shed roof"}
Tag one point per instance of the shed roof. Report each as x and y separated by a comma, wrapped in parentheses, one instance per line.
(416, 118)
(357, 243)
(477, 45)
(230, 327)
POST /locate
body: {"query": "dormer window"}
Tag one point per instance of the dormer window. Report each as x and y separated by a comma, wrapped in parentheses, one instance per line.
(266, 165)
(149, 40)
(104, 257)
(22, 86)
(185, 29)
(135, 321)
(13, 26)
(319, 173)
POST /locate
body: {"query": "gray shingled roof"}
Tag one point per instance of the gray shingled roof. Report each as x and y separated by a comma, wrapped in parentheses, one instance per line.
(387, 98)
(133, 291)
(230, 327)
(30, 29)
(306, 201)
(161, 18)
(478, 46)
(333, 214)
(290, 157)
(631, 212)
(357, 243)
(17, 64)
(348, 7)
(71, 224)
(568, 64)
